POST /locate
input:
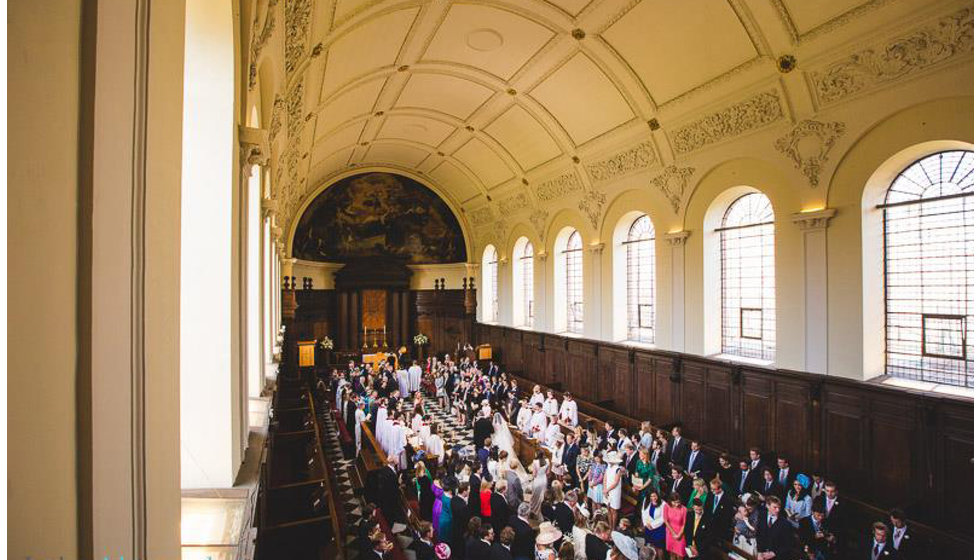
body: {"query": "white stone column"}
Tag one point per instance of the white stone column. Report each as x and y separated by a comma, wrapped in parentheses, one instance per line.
(543, 317)
(815, 303)
(593, 305)
(676, 241)
(505, 289)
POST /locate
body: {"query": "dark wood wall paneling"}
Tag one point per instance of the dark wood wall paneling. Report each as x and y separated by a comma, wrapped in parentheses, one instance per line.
(883, 445)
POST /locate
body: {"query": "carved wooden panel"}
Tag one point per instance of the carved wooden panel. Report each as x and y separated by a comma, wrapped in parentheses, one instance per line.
(692, 399)
(615, 383)
(756, 411)
(646, 385)
(664, 412)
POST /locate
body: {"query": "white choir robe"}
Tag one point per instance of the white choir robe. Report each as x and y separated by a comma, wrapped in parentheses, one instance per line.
(399, 443)
(523, 417)
(416, 422)
(414, 378)
(359, 416)
(535, 399)
(537, 425)
(551, 407)
(435, 446)
(569, 413)
(402, 377)
(340, 394)
(552, 435)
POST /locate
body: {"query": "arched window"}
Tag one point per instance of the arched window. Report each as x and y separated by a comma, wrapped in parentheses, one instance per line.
(641, 281)
(574, 310)
(928, 264)
(748, 278)
(527, 285)
(491, 313)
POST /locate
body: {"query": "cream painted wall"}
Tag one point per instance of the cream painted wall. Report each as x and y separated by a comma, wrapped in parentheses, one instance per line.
(42, 197)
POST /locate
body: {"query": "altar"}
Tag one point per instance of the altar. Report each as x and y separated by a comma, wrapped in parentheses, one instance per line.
(375, 358)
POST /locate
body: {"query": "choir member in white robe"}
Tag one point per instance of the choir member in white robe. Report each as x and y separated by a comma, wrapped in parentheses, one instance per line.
(568, 414)
(537, 397)
(552, 434)
(538, 423)
(359, 416)
(434, 445)
(402, 377)
(523, 417)
(399, 442)
(340, 392)
(381, 427)
(416, 422)
(551, 405)
(414, 377)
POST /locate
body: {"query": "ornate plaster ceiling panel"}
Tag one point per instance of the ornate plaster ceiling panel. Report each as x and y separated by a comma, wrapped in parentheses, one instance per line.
(572, 7)
(346, 7)
(444, 93)
(352, 103)
(523, 137)
(366, 48)
(417, 129)
(673, 52)
(482, 161)
(583, 99)
(484, 37)
(329, 165)
(346, 136)
(384, 152)
(807, 14)
(449, 175)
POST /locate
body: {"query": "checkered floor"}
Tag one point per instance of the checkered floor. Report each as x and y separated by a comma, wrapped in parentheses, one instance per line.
(452, 431)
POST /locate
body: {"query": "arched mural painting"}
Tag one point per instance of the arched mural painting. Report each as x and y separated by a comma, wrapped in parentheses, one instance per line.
(379, 215)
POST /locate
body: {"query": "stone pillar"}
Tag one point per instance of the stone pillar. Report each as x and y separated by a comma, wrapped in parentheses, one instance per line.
(543, 318)
(814, 228)
(593, 304)
(676, 242)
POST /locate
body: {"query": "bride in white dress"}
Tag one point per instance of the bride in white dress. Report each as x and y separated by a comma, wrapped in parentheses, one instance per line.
(504, 440)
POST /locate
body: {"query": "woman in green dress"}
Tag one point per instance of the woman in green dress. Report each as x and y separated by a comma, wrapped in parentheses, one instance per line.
(700, 492)
(646, 478)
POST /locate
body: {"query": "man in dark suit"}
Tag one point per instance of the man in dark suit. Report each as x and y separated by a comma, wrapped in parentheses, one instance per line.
(774, 535)
(679, 483)
(424, 546)
(501, 550)
(388, 493)
(836, 510)
(769, 486)
(482, 429)
(565, 512)
(880, 547)
(475, 481)
(902, 540)
(630, 458)
(785, 475)
(523, 546)
(478, 546)
(743, 479)
(499, 509)
(597, 542)
(696, 460)
(569, 457)
(720, 506)
(697, 530)
(493, 370)
(677, 447)
(461, 516)
(813, 533)
(756, 467)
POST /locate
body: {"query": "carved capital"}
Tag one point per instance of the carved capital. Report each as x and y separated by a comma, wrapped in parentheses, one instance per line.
(542, 256)
(254, 146)
(502, 260)
(820, 219)
(677, 238)
(596, 248)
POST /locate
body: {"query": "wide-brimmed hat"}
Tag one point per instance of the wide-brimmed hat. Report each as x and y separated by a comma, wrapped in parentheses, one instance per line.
(626, 545)
(612, 457)
(443, 552)
(547, 533)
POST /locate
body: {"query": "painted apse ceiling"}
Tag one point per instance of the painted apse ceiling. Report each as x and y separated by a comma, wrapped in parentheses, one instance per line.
(513, 110)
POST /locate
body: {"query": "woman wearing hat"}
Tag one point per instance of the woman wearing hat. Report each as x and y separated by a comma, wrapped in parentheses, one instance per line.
(544, 544)
(798, 500)
(613, 486)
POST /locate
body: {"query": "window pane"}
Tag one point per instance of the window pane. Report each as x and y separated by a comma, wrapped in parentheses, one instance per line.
(573, 284)
(929, 270)
(494, 302)
(640, 281)
(748, 279)
(527, 275)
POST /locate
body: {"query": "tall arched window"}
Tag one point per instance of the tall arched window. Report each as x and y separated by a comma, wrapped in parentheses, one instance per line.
(491, 313)
(748, 278)
(928, 232)
(641, 281)
(574, 314)
(527, 284)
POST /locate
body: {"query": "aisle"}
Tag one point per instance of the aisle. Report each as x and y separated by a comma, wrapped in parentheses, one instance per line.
(453, 432)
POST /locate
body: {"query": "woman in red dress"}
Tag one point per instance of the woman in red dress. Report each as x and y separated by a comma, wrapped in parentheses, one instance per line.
(675, 514)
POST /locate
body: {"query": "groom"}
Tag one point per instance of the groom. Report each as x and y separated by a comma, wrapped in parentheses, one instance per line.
(482, 428)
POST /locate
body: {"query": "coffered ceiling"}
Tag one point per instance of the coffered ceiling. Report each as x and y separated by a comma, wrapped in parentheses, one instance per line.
(484, 99)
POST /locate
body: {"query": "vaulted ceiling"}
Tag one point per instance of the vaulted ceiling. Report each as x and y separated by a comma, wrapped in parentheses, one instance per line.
(490, 100)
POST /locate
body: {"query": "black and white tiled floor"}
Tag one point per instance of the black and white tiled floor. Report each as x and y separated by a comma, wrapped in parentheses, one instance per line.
(452, 431)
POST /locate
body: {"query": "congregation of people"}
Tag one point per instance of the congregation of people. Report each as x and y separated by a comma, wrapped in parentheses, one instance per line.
(592, 490)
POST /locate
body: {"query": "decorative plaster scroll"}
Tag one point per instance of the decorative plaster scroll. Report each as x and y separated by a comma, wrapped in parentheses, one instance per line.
(592, 204)
(755, 112)
(259, 39)
(275, 123)
(638, 157)
(540, 219)
(809, 156)
(513, 203)
(558, 187)
(297, 24)
(942, 40)
(673, 183)
(482, 216)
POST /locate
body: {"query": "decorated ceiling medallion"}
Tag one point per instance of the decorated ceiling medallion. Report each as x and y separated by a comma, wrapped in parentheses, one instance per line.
(578, 34)
(441, 153)
(511, 91)
(654, 124)
(525, 182)
(470, 128)
(364, 143)
(575, 159)
(379, 114)
(484, 40)
(786, 63)
(403, 68)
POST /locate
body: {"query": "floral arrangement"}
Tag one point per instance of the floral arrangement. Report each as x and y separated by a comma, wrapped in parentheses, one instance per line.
(280, 336)
(420, 339)
(326, 343)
